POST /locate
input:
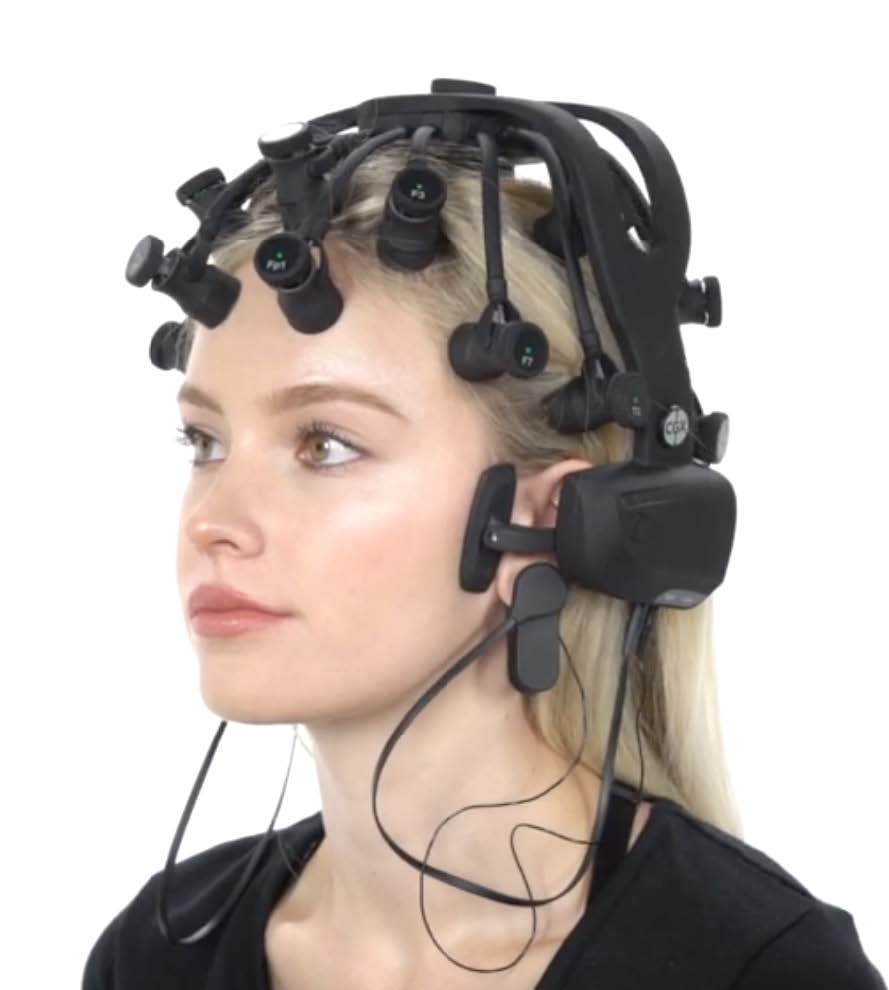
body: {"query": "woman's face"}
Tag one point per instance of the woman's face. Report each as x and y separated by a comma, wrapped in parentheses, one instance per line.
(361, 542)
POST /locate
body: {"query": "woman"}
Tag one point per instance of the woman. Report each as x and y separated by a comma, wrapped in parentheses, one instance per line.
(333, 477)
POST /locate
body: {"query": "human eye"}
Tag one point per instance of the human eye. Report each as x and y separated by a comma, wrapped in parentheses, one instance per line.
(318, 429)
(193, 437)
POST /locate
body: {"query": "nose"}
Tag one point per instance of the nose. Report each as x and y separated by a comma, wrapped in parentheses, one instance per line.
(224, 516)
(210, 534)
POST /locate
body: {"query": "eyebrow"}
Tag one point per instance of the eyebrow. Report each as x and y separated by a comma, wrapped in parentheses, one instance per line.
(294, 396)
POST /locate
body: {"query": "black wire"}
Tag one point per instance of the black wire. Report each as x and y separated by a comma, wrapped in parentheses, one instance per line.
(315, 225)
(586, 327)
(490, 176)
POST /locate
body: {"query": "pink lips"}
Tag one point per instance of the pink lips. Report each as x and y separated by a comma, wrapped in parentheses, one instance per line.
(217, 610)
(233, 622)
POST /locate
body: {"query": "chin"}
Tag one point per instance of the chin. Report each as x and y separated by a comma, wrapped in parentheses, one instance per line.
(235, 708)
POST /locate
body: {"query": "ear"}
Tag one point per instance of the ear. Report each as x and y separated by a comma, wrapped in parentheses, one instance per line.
(536, 504)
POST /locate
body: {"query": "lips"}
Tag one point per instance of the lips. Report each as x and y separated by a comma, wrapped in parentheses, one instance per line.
(221, 598)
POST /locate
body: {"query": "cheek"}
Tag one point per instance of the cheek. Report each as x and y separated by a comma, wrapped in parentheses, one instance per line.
(185, 556)
(387, 553)
(374, 547)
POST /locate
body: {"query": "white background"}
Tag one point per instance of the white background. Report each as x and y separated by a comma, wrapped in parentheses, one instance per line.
(774, 116)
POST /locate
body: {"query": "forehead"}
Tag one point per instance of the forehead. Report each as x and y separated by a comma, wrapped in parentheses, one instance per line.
(376, 341)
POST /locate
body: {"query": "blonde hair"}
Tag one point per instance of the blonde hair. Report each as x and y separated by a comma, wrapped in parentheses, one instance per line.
(672, 688)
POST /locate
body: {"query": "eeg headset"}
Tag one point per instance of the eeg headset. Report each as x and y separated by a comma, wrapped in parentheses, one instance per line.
(656, 530)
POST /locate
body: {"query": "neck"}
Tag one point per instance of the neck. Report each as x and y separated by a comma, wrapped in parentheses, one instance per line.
(473, 743)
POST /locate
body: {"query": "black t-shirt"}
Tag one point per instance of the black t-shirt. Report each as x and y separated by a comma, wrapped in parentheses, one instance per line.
(690, 907)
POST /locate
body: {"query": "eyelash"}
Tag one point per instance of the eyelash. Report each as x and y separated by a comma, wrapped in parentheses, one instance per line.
(189, 435)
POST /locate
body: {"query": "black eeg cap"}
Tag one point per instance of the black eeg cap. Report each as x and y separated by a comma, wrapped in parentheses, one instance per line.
(301, 154)
(655, 529)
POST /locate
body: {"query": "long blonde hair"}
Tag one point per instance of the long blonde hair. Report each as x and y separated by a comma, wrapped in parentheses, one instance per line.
(673, 688)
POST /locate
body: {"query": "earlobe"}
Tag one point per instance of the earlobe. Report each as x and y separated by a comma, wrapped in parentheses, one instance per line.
(509, 568)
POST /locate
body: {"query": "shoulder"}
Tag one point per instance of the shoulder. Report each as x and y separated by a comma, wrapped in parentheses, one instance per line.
(133, 952)
(99, 970)
(722, 873)
(820, 950)
(133, 933)
(736, 913)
